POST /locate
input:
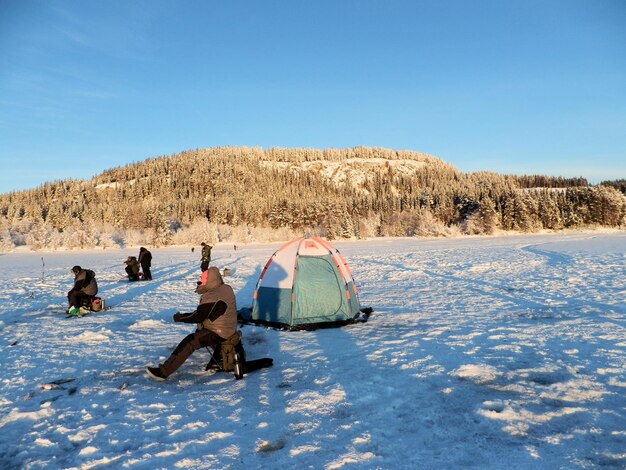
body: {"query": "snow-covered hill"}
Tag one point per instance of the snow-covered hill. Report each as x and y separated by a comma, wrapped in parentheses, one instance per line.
(356, 172)
(482, 352)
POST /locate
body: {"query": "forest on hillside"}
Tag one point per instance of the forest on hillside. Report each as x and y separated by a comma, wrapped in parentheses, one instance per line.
(244, 194)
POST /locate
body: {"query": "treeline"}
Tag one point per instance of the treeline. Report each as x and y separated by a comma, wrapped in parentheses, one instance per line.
(540, 181)
(620, 185)
(247, 194)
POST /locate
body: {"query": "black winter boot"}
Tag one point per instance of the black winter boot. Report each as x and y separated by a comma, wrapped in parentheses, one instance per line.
(155, 373)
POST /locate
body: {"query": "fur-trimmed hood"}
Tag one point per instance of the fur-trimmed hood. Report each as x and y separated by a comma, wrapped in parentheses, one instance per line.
(214, 280)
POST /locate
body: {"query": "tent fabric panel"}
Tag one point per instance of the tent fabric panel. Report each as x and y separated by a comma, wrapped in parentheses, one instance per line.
(279, 273)
(355, 305)
(272, 305)
(339, 259)
(312, 247)
(343, 267)
(318, 291)
(260, 280)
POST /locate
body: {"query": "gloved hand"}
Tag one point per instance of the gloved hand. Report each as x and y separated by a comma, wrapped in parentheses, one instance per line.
(177, 316)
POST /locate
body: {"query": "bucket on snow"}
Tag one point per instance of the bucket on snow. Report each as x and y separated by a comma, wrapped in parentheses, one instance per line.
(97, 304)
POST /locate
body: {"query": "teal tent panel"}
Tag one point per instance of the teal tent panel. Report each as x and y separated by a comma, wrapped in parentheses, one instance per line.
(355, 305)
(272, 305)
(319, 291)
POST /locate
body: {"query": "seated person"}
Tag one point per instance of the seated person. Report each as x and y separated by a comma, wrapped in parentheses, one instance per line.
(85, 287)
(216, 319)
(132, 268)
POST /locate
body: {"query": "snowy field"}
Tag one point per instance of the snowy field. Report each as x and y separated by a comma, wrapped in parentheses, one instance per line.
(504, 352)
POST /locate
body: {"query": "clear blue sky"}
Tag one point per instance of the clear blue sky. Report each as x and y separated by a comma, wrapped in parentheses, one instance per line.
(516, 86)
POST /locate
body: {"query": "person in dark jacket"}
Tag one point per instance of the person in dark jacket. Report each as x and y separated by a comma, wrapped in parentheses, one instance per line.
(85, 287)
(145, 260)
(132, 268)
(206, 256)
(216, 319)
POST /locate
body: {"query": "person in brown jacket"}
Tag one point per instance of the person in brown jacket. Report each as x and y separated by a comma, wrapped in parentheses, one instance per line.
(85, 287)
(216, 317)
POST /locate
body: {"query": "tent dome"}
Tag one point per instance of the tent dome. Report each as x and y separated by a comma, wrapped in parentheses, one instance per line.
(306, 282)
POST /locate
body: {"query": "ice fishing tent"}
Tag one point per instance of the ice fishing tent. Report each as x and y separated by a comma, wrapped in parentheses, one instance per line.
(306, 283)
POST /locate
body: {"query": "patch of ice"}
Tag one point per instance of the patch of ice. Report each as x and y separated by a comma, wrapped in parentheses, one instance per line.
(616, 383)
(477, 373)
(314, 401)
(575, 391)
(31, 415)
(44, 442)
(189, 463)
(146, 324)
(88, 450)
(362, 439)
(92, 337)
(304, 449)
(350, 459)
(480, 268)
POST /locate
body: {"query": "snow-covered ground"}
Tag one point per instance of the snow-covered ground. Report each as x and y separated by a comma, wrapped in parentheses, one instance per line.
(495, 352)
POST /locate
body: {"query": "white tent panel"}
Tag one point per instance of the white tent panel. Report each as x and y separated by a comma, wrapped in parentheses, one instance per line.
(280, 271)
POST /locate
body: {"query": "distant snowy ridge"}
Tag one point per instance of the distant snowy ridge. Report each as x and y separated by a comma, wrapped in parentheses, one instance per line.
(353, 172)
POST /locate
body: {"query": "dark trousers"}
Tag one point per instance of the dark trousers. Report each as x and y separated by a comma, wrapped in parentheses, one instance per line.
(76, 298)
(131, 275)
(146, 272)
(189, 344)
(204, 264)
